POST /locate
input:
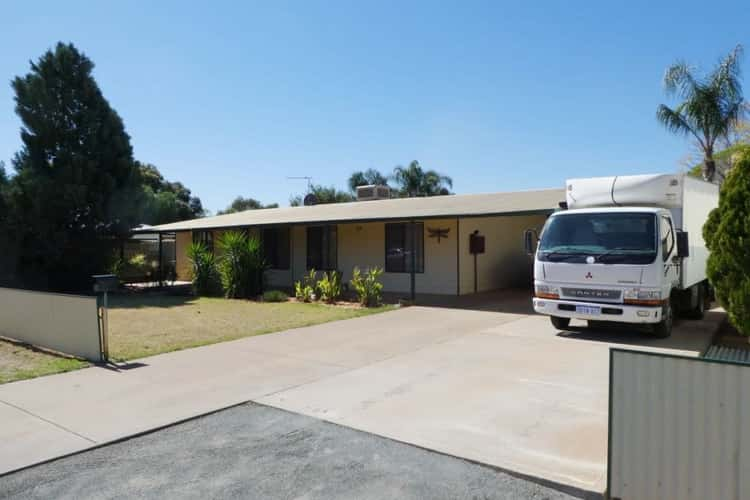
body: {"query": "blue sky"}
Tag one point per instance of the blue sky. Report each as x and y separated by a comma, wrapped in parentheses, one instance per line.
(231, 98)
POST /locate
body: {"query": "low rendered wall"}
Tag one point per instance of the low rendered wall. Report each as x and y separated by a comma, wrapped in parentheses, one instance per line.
(65, 323)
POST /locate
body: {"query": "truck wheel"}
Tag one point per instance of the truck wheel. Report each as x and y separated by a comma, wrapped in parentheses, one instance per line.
(560, 323)
(699, 310)
(663, 329)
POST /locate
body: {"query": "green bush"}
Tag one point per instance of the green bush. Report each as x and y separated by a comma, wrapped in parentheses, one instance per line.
(240, 265)
(117, 267)
(304, 290)
(329, 286)
(275, 296)
(368, 287)
(138, 265)
(727, 235)
(203, 264)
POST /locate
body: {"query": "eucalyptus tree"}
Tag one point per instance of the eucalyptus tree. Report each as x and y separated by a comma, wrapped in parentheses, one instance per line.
(710, 105)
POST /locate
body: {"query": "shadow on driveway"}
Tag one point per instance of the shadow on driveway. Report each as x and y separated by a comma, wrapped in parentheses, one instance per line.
(687, 335)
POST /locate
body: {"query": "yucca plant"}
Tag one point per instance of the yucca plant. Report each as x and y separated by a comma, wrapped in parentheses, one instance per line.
(368, 286)
(240, 265)
(203, 266)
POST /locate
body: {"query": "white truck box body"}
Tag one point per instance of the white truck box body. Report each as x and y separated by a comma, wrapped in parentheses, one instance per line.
(699, 198)
(689, 200)
(659, 190)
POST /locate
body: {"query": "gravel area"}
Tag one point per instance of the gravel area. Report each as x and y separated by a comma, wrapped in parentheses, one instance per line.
(253, 451)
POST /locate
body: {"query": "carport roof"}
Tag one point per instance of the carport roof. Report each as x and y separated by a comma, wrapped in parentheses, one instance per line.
(463, 205)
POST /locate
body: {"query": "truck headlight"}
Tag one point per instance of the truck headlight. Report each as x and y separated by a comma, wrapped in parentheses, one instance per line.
(546, 292)
(636, 296)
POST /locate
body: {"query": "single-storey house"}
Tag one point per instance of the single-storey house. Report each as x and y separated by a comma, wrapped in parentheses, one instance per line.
(450, 245)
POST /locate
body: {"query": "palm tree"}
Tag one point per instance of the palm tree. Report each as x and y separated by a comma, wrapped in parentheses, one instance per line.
(367, 178)
(711, 105)
(413, 181)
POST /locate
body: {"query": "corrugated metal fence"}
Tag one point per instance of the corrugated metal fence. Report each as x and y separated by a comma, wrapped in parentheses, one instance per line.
(679, 427)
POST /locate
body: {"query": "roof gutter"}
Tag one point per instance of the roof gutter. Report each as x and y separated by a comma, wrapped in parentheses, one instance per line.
(156, 229)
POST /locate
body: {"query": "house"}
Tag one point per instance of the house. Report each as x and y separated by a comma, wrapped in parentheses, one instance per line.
(383, 232)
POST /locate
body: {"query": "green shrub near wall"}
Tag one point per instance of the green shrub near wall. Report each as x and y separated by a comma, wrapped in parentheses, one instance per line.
(203, 268)
(240, 265)
(368, 287)
(727, 235)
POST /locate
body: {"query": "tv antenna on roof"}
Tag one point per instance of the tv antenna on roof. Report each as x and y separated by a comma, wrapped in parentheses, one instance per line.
(309, 182)
(310, 198)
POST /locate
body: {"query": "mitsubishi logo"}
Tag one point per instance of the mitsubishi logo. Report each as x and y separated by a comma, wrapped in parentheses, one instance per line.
(589, 276)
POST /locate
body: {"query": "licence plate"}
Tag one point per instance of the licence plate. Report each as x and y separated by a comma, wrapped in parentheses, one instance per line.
(591, 311)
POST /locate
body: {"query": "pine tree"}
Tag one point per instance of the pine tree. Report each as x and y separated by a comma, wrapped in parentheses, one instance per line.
(727, 235)
(75, 176)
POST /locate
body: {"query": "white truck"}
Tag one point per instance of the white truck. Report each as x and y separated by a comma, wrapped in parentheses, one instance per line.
(625, 249)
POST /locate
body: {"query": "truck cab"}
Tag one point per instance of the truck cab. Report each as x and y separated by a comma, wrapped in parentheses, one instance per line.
(618, 263)
(615, 265)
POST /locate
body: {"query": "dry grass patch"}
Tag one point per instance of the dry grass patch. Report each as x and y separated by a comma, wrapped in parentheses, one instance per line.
(21, 361)
(144, 325)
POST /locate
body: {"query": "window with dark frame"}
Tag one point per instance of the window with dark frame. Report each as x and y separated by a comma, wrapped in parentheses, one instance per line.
(322, 248)
(398, 247)
(205, 237)
(276, 247)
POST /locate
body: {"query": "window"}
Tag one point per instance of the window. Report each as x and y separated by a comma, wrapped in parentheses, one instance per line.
(398, 247)
(322, 248)
(276, 247)
(205, 237)
(667, 237)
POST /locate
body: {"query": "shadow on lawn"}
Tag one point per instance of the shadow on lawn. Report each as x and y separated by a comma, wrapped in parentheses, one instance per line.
(149, 299)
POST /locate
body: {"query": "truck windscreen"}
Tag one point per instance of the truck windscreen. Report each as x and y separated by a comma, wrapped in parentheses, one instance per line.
(611, 238)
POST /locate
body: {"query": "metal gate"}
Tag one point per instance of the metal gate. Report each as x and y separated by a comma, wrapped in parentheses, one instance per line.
(679, 427)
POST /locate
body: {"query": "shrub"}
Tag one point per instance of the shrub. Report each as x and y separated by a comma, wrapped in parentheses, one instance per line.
(205, 280)
(137, 265)
(240, 265)
(727, 235)
(368, 287)
(329, 286)
(275, 296)
(117, 267)
(304, 290)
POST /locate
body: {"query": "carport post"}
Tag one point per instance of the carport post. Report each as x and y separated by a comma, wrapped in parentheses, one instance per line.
(413, 261)
(161, 259)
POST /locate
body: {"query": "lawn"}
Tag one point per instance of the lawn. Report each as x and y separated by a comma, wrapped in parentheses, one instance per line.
(20, 361)
(142, 325)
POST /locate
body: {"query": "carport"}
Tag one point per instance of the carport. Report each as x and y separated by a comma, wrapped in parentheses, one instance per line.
(442, 245)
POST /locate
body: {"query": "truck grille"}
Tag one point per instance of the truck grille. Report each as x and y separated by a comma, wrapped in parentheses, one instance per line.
(591, 293)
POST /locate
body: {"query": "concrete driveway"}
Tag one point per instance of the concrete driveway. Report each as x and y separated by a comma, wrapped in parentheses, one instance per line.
(485, 381)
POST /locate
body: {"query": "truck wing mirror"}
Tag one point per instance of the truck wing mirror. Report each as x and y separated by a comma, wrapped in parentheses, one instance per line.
(683, 246)
(529, 241)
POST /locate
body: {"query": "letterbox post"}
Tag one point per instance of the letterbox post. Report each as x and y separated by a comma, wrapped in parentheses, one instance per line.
(104, 283)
